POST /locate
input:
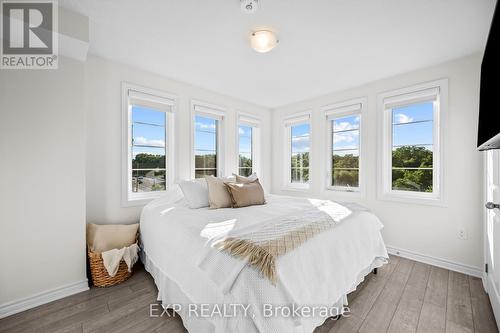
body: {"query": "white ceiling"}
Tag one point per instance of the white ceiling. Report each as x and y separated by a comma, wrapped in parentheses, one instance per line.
(325, 45)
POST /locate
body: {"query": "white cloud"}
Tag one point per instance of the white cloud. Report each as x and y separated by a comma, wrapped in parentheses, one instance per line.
(345, 137)
(205, 126)
(401, 118)
(346, 125)
(300, 143)
(342, 126)
(142, 141)
(241, 131)
(301, 138)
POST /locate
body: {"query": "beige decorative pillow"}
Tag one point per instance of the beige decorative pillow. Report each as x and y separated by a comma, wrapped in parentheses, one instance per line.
(218, 195)
(244, 180)
(247, 194)
(102, 238)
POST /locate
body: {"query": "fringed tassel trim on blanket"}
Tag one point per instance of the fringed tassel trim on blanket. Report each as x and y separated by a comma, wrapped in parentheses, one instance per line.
(257, 256)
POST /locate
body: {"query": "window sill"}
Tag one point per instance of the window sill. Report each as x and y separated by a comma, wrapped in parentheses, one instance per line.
(341, 191)
(296, 187)
(416, 198)
(141, 199)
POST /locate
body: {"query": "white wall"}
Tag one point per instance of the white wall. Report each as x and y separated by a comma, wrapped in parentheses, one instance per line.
(49, 121)
(104, 134)
(428, 230)
(42, 192)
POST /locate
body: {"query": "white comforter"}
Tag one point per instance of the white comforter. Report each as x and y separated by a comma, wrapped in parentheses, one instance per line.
(320, 273)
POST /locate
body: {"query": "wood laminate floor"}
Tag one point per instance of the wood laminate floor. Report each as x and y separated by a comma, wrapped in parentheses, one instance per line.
(405, 296)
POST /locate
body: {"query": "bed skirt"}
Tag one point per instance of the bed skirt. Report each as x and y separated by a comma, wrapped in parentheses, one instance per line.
(170, 292)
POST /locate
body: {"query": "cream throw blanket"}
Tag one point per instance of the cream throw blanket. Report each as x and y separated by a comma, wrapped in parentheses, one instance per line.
(111, 259)
(261, 247)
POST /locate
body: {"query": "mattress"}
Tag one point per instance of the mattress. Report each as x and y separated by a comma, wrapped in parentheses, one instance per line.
(317, 275)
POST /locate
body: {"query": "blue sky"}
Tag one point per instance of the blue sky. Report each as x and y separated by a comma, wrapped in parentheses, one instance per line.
(411, 125)
(300, 138)
(419, 132)
(346, 135)
(245, 138)
(148, 130)
(205, 135)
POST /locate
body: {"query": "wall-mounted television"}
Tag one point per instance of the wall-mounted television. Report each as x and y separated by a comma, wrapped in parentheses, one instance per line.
(488, 134)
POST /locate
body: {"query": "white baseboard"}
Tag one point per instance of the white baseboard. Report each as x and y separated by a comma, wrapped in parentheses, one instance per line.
(10, 308)
(443, 263)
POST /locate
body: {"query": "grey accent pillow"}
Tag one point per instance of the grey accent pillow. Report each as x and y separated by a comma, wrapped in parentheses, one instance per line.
(246, 194)
(195, 192)
(218, 195)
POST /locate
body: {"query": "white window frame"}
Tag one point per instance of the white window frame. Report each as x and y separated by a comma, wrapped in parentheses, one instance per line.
(245, 119)
(437, 91)
(288, 122)
(160, 101)
(351, 107)
(218, 113)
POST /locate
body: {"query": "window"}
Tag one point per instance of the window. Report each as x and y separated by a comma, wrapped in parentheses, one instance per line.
(205, 146)
(207, 141)
(297, 137)
(344, 145)
(248, 147)
(412, 147)
(148, 149)
(300, 153)
(413, 120)
(245, 150)
(148, 142)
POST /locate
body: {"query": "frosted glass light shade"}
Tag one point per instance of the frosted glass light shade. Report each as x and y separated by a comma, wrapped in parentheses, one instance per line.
(263, 40)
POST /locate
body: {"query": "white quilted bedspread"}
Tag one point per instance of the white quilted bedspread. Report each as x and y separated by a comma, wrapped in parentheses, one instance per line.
(319, 273)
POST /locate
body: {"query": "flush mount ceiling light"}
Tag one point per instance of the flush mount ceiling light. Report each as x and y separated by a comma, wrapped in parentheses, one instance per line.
(263, 40)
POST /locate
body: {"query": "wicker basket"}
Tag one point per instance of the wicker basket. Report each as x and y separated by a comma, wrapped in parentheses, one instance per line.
(100, 276)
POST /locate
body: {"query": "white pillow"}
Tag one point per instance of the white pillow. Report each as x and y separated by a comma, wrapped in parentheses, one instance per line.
(195, 192)
(171, 196)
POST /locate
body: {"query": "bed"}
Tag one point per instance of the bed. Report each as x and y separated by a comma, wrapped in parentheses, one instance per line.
(213, 291)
